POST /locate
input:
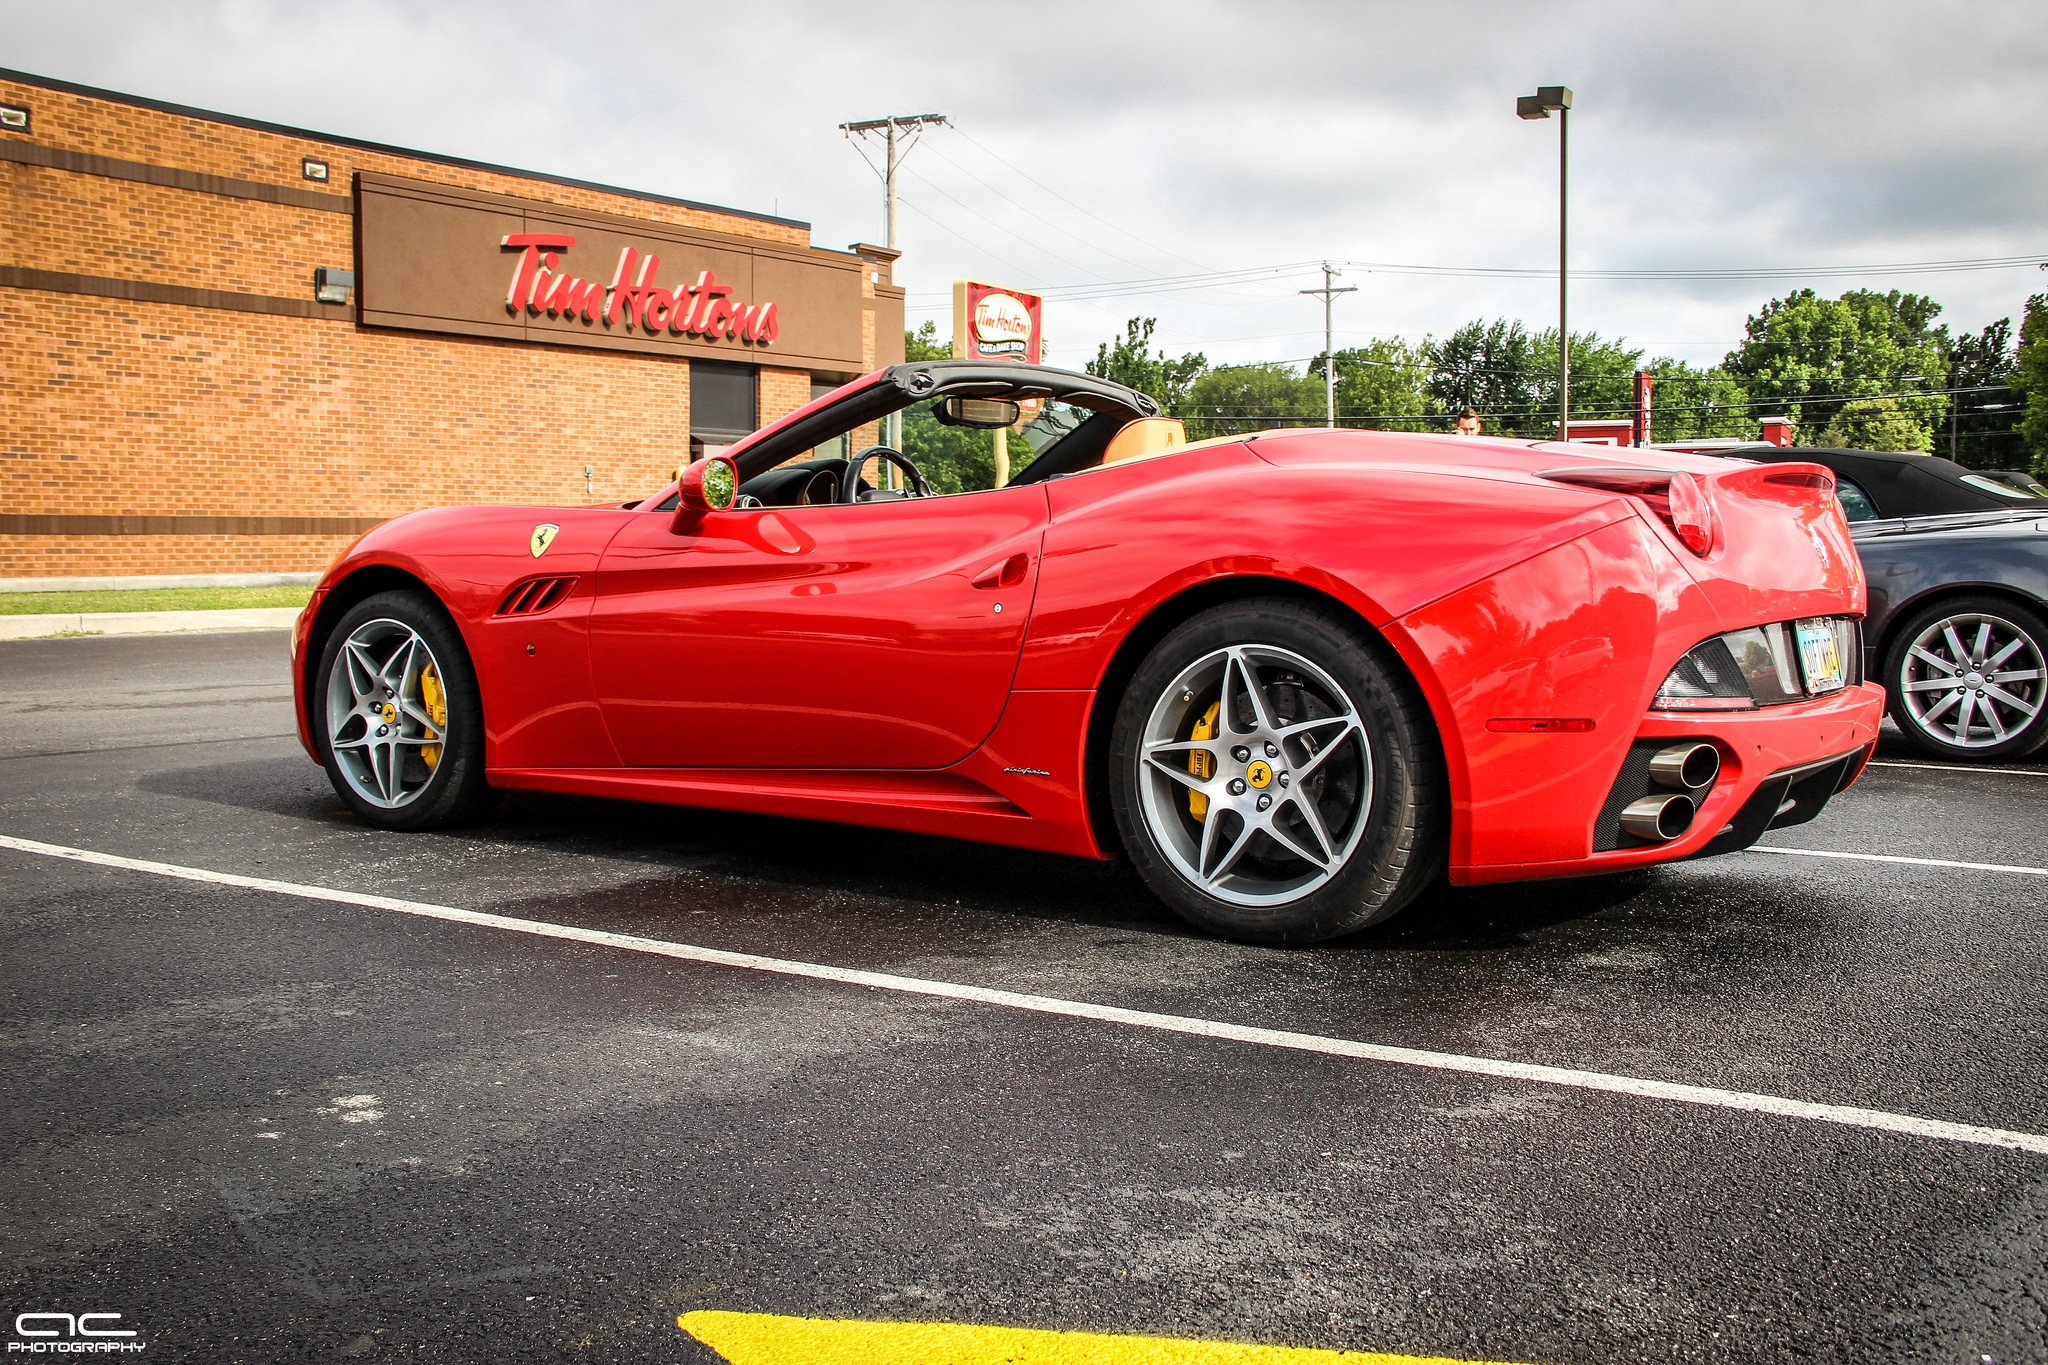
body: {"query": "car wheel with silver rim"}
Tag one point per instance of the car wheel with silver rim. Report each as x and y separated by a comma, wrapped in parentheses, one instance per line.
(397, 715)
(1273, 775)
(1967, 678)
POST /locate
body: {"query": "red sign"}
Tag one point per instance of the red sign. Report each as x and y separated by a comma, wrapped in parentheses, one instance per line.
(631, 300)
(993, 323)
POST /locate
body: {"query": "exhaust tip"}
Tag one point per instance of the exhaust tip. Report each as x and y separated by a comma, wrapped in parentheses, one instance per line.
(1659, 819)
(1686, 767)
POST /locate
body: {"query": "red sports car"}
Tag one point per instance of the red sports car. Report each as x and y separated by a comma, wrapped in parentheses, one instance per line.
(1295, 677)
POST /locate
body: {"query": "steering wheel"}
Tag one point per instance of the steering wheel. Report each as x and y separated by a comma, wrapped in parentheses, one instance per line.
(849, 482)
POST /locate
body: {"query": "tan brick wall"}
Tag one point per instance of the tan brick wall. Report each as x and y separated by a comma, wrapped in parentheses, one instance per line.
(114, 407)
(158, 409)
(781, 392)
(107, 128)
(91, 225)
(96, 556)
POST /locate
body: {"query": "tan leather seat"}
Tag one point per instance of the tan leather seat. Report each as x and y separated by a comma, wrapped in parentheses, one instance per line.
(1144, 438)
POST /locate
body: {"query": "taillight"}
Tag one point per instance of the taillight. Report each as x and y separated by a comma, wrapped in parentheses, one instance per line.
(1691, 513)
(1679, 500)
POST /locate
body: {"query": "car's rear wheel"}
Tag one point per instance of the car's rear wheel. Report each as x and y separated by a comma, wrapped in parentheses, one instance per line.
(1967, 678)
(1274, 776)
(399, 719)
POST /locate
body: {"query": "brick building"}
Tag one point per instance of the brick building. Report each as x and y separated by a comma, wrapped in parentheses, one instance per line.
(179, 395)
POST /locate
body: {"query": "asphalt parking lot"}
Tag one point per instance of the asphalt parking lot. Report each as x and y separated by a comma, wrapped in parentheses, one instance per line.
(279, 1087)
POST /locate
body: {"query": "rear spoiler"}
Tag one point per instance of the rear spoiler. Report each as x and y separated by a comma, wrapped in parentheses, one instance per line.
(1684, 500)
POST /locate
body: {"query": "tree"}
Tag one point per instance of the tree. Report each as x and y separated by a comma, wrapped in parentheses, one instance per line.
(1816, 356)
(1237, 398)
(952, 459)
(1975, 437)
(1510, 375)
(924, 344)
(1132, 362)
(2030, 379)
(1693, 404)
(1872, 424)
(1494, 367)
(1603, 378)
(1382, 383)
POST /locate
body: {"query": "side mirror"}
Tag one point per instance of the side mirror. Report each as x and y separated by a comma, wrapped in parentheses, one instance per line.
(979, 414)
(710, 485)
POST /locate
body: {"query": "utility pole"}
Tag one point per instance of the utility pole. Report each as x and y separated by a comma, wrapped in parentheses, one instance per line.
(1329, 291)
(894, 149)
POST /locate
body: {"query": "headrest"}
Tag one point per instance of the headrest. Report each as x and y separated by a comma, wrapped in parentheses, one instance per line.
(1145, 437)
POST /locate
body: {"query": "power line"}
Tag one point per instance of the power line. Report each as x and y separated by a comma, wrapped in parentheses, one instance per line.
(1717, 272)
(1154, 282)
(998, 226)
(941, 226)
(1135, 265)
(1071, 204)
(1517, 272)
(1746, 405)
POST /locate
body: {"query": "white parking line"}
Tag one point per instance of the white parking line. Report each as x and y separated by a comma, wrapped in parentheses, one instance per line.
(1894, 858)
(1972, 770)
(1848, 1116)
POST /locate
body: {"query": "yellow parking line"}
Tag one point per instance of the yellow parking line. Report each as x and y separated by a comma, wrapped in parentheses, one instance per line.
(764, 1339)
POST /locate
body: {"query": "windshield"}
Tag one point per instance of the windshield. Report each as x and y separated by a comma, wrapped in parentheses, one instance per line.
(2004, 490)
(963, 460)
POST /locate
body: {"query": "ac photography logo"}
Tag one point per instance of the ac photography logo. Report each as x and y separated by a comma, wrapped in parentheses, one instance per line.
(71, 1334)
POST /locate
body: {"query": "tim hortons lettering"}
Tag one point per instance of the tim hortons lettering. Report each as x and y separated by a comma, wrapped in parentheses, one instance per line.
(704, 308)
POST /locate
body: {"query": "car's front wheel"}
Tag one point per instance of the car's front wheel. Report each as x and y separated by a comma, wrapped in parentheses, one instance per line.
(1274, 777)
(398, 715)
(1967, 678)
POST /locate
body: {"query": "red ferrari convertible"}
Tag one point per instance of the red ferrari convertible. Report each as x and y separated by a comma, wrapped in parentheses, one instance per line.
(1295, 677)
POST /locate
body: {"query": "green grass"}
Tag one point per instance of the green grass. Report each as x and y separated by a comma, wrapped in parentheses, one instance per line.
(150, 599)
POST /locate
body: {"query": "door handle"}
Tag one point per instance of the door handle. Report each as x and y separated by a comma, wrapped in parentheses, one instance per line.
(1007, 573)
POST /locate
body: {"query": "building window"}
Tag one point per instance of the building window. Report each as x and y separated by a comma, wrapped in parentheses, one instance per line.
(724, 405)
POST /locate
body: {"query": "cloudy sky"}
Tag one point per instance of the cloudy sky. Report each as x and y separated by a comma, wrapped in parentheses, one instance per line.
(1194, 160)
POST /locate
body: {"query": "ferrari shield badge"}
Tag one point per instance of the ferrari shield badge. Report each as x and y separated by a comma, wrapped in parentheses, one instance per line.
(543, 536)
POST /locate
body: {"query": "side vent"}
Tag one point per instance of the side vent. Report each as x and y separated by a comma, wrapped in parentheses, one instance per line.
(536, 595)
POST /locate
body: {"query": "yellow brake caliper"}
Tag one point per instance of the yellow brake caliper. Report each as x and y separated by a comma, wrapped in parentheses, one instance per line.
(437, 709)
(1199, 763)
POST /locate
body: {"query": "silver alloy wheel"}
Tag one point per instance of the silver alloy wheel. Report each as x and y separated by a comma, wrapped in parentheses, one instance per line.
(1288, 775)
(1973, 680)
(382, 693)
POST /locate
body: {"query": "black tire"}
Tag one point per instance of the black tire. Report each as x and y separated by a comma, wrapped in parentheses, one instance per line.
(1369, 796)
(373, 714)
(1948, 704)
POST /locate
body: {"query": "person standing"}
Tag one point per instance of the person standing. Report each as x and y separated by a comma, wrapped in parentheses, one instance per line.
(1468, 422)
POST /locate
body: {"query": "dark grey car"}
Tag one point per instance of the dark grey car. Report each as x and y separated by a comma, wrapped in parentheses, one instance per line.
(1958, 629)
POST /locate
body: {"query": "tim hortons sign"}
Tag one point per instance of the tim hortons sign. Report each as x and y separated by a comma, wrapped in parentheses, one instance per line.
(443, 258)
(991, 322)
(632, 299)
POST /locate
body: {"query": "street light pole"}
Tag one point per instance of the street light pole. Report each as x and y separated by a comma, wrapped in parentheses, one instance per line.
(1547, 100)
(1330, 291)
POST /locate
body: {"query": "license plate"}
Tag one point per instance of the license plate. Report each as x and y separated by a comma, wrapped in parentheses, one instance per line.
(1820, 655)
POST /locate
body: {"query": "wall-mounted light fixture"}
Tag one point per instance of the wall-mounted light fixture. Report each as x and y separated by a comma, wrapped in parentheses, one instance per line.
(333, 286)
(14, 118)
(312, 169)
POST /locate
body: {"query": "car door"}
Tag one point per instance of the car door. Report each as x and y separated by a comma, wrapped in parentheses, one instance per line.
(857, 635)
